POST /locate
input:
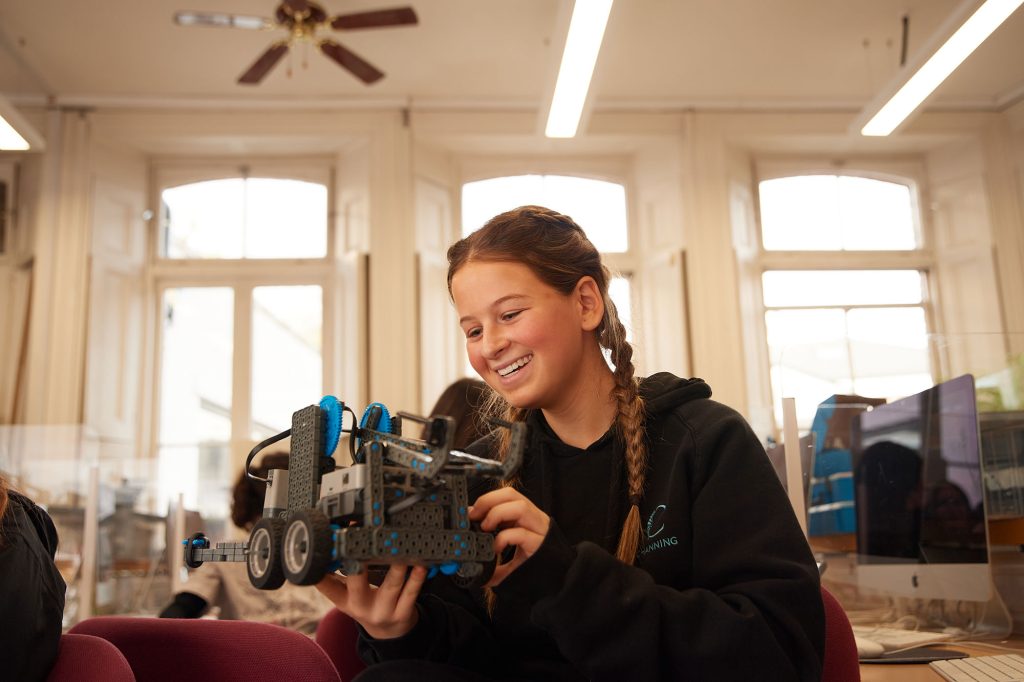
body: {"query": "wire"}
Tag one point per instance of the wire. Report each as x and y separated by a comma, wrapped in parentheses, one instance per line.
(260, 446)
(352, 434)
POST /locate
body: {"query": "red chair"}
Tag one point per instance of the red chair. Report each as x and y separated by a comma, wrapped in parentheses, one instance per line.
(84, 658)
(841, 664)
(172, 649)
(336, 634)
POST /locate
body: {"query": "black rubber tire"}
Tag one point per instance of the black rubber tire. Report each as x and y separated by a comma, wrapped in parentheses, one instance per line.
(264, 561)
(190, 546)
(306, 549)
(473, 581)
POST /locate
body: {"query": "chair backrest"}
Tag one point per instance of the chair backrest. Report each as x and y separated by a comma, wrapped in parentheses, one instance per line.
(172, 649)
(841, 664)
(84, 658)
(336, 634)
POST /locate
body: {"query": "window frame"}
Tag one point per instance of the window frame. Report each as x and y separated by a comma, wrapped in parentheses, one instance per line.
(906, 172)
(241, 275)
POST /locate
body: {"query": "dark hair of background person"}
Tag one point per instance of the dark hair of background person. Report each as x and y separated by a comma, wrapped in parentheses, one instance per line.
(462, 401)
(248, 495)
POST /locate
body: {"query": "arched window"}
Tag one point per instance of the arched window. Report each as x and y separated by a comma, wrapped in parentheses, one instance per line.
(845, 305)
(245, 218)
(242, 270)
(598, 206)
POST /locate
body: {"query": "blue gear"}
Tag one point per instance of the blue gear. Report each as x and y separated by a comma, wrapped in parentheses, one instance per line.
(383, 425)
(332, 408)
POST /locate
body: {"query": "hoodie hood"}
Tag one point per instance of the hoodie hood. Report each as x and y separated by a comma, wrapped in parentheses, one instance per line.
(663, 391)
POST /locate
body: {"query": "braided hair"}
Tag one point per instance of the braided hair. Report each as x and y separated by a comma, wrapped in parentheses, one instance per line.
(558, 252)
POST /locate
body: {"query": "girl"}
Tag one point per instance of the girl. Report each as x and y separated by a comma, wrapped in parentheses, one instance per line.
(646, 536)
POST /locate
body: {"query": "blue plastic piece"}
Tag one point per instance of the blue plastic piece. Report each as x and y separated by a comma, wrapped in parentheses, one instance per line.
(431, 572)
(449, 567)
(332, 409)
(384, 425)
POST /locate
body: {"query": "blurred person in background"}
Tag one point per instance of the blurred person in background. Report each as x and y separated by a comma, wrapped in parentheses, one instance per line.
(462, 401)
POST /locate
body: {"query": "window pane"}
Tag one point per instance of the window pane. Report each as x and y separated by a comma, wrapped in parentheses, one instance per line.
(800, 213)
(889, 351)
(246, 218)
(841, 287)
(809, 357)
(876, 215)
(598, 207)
(195, 369)
(195, 397)
(285, 219)
(287, 366)
(619, 291)
(831, 213)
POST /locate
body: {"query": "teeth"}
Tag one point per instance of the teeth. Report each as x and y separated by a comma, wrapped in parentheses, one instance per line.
(505, 371)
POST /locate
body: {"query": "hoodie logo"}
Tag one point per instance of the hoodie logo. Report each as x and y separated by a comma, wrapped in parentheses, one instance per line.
(655, 526)
(655, 518)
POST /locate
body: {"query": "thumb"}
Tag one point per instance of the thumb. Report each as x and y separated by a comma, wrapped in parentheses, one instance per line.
(333, 587)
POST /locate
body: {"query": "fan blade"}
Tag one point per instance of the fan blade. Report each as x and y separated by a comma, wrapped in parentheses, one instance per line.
(359, 67)
(262, 66)
(222, 20)
(397, 16)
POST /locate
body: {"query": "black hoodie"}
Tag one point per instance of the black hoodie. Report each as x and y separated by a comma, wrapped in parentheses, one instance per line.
(724, 586)
(31, 592)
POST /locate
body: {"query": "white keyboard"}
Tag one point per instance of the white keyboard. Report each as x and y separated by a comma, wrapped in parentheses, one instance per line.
(1001, 668)
(898, 638)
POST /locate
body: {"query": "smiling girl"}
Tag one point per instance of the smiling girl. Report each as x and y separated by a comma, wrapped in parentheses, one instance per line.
(646, 536)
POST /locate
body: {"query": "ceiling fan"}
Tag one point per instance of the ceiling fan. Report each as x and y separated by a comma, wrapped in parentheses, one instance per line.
(302, 19)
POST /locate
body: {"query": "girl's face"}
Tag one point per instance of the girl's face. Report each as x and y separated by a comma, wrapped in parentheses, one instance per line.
(524, 338)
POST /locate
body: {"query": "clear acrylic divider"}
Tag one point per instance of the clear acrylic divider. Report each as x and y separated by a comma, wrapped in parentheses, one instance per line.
(112, 526)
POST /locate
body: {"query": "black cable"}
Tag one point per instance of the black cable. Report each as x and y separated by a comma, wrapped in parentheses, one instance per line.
(260, 446)
(352, 434)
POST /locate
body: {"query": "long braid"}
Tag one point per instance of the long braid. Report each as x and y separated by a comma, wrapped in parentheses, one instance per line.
(630, 422)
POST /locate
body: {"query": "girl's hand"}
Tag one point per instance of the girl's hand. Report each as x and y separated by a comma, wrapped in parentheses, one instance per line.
(523, 525)
(385, 612)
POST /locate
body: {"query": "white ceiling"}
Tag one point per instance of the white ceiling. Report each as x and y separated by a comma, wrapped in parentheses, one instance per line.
(715, 54)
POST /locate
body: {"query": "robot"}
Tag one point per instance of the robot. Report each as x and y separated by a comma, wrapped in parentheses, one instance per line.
(403, 500)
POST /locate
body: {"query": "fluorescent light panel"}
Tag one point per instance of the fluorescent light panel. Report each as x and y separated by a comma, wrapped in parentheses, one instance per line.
(586, 30)
(953, 52)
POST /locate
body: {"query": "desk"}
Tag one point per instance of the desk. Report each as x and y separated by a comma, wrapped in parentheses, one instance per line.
(922, 672)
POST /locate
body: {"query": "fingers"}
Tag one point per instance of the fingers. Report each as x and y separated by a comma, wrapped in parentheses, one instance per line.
(509, 507)
(358, 587)
(406, 603)
(484, 503)
(521, 513)
(333, 587)
(526, 541)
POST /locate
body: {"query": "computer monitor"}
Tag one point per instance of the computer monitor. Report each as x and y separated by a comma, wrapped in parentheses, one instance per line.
(919, 496)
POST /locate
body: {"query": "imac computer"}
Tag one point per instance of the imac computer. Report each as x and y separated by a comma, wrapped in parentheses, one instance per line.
(919, 496)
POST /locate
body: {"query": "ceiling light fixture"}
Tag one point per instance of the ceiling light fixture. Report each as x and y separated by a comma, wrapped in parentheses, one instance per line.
(582, 45)
(912, 93)
(16, 134)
